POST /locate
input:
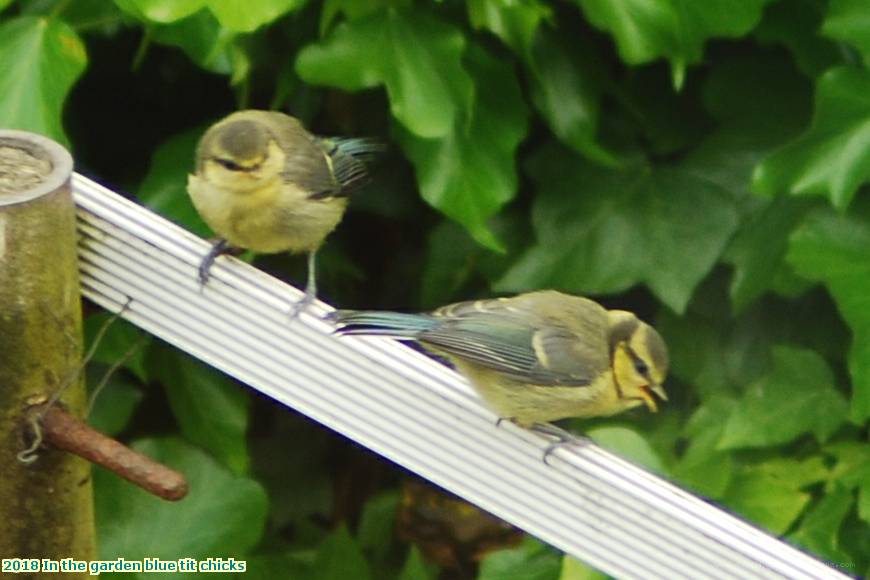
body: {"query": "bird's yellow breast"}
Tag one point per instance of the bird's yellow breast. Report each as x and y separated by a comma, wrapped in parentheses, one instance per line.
(268, 216)
(528, 404)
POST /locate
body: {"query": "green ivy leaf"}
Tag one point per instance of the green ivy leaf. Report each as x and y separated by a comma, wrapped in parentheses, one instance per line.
(92, 15)
(699, 350)
(573, 569)
(645, 30)
(160, 11)
(759, 99)
(819, 531)
(798, 396)
(852, 468)
(849, 21)
(713, 353)
(565, 71)
(771, 493)
(567, 83)
(205, 42)
(515, 23)
(252, 14)
(703, 467)
(164, 188)
(852, 471)
(415, 568)
(602, 231)
(353, 9)
(659, 121)
(340, 557)
(222, 516)
(629, 444)
(718, 354)
(210, 408)
(416, 56)
(758, 250)
(116, 403)
(455, 264)
(765, 500)
(833, 157)
(469, 174)
(377, 522)
(300, 484)
(795, 25)
(452, 257)
(42, 59)
(530, 561)
(798, 473)
(833, 249)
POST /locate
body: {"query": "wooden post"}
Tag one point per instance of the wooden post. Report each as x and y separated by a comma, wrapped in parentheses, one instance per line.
(46, 507)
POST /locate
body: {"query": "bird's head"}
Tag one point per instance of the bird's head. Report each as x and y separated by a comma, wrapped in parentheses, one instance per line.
(239, 154)
(640, 360)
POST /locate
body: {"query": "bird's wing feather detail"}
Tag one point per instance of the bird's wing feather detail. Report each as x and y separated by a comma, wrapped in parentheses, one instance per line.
(511, 346)
(523, 338)
(346, 158)
(307, 164)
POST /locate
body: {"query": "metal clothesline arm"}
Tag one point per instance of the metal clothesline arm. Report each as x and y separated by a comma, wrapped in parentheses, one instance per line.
(410, 409)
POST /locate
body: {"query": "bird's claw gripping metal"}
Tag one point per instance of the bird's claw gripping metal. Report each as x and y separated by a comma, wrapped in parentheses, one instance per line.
(310, 288)
(563, 438)
(221, 247)
(304, 303)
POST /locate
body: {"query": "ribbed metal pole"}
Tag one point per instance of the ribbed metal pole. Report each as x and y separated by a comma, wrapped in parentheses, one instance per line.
(411, 409)
(46, 508)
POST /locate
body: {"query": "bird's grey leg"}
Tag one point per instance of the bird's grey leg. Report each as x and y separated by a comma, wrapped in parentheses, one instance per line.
(563, 437)
(310, 286)
(221, 247)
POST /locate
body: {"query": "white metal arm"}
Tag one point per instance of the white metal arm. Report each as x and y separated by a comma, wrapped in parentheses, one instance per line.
(411, 409)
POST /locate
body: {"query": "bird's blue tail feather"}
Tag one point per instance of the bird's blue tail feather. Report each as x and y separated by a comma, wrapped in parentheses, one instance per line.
(395, 324)
(362, 148)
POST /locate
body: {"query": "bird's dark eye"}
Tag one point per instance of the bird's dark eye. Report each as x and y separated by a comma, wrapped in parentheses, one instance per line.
(229, 164)
(641, 367)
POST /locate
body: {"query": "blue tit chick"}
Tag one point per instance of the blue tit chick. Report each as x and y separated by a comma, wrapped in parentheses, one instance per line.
(537, 357)
(264, 183)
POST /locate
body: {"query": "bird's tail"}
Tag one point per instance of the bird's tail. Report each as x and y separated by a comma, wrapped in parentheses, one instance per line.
(350, 158)
(363, 148)
(373, 322)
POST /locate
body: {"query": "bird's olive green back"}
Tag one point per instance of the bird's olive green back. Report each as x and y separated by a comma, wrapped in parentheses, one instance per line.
(544, 338)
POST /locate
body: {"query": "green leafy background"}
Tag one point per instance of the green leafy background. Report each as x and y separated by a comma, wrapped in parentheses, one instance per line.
(704, 164)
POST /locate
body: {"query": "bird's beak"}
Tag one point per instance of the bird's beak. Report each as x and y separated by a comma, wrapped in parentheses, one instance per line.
(647, 393)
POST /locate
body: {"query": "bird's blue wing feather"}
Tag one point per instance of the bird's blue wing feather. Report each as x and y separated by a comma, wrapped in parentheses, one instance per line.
(506, 343)
(348, 161)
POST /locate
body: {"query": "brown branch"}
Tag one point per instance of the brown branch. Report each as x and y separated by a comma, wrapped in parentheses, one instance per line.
(64, 431)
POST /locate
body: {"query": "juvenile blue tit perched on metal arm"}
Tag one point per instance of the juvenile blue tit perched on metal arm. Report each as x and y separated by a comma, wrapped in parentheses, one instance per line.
(537, 357)
(264, 183)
